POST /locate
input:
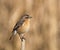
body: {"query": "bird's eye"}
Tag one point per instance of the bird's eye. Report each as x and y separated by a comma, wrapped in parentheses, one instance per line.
(26, 17)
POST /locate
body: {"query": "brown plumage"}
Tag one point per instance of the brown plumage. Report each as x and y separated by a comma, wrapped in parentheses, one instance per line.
(22, 26)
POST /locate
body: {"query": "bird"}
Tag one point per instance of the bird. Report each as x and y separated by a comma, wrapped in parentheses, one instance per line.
(22, 26)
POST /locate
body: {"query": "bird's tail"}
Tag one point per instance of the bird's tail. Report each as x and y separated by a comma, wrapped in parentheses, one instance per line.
(11, 37)
(13, 33)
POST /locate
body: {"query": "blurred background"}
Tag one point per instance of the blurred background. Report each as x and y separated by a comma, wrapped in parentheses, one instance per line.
(44, 33)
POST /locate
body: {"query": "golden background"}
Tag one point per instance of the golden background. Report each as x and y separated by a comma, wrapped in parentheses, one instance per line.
(45, 24)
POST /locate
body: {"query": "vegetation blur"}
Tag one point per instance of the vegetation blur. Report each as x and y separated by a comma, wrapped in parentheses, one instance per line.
(44, 33)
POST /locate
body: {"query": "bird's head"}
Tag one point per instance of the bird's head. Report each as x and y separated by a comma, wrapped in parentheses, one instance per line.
(26, 17)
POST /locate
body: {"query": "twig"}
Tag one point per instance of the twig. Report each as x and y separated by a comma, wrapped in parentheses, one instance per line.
(22, 42)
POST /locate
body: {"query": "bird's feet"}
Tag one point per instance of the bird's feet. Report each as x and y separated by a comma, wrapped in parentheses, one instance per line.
(22, 37)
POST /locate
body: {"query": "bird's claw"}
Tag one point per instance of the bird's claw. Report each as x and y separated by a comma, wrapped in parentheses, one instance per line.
(22, 37)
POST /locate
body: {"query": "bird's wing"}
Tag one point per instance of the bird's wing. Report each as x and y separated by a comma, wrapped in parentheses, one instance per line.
(18, 24)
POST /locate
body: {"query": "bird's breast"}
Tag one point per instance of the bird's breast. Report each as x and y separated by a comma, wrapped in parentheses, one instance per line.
(25, 27)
